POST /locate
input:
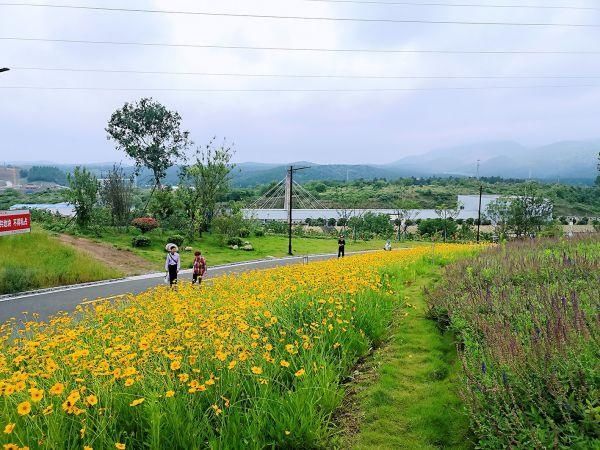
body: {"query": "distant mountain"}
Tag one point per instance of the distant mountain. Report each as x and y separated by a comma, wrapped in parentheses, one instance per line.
(244, 176)
(569, 159)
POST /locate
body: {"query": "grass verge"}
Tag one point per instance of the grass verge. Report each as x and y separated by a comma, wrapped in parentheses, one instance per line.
(405, 396)
(216, 253)
(37, 260)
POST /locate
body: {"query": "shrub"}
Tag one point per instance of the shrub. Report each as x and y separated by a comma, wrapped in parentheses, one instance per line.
(429, 227)
(235, 241)
(259, 232)
(331, 222)
(145, 224)
(141, 241)
(176, 239)
(244, 232)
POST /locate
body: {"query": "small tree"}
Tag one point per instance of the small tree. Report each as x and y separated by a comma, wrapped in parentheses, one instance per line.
(521, 215)
(164, 204)
(205, 182)
(116, 193)
(150, 134)
(447, 213)
(83, 195)
(404, 213)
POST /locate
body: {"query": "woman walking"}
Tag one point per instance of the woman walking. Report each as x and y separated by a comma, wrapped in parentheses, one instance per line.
(172, 264)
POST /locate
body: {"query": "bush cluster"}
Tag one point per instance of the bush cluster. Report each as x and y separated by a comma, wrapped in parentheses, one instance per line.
(176, 239)
(141, 241)
(145, 224)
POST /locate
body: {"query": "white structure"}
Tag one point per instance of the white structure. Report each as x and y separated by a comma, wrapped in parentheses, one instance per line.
(469, 210)
(64, 209)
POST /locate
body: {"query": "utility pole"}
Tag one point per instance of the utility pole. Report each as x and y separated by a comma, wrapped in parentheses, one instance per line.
(479, 215)
(290, 202)
(480, 196)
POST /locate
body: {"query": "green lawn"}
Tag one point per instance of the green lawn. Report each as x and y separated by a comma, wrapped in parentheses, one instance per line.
(407, 396)
(37, 260)
(218, 254)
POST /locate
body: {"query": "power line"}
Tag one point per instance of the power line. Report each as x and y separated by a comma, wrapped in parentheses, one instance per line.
(304, 49)
(375, 90)
(458, 5)
(304, 18)
(317, 76)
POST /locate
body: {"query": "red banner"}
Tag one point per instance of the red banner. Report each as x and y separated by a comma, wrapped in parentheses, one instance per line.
(15, 222)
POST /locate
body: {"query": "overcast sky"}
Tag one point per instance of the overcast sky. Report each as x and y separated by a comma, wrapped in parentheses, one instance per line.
(323, 127)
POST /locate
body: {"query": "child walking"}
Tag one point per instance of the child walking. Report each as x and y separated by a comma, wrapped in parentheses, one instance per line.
(199, 268)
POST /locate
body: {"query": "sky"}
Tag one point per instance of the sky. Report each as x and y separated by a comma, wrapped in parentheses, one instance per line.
(67, 126)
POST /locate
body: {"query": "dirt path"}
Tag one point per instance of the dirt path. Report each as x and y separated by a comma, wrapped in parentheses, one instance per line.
(126, 262)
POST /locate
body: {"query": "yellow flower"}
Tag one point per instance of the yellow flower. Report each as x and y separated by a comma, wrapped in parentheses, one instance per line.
(175, 365)
(232, 364)
(170, 394)
(287, 433)
(284, 363)
(120, 446)
(139, 401)
(91, 400)
(24, 408)
(87, 447)
(11, 447)
(300, 373)
(256, 370)
(9, 428)
(48, 410)
(57, 389)
(36, 394)
(129, 382)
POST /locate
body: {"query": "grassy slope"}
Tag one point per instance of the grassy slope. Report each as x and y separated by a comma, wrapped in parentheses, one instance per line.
(413, 403)
(218, 254)
(37, 260)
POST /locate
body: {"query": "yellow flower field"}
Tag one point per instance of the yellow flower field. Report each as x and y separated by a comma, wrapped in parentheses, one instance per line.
(249, 361)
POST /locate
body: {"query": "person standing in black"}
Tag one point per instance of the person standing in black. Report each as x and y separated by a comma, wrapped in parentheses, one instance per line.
(341, 246)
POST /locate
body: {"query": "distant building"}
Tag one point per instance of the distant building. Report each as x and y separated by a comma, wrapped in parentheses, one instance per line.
(64, 209)
(469, 210)
(10, 176)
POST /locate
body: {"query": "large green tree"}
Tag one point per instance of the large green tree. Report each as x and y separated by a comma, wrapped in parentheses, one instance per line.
(83, 195)
(150, 134)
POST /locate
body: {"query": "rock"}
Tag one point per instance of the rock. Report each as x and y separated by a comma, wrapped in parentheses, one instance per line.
(234, 247)
(248, 248)
(188, 249)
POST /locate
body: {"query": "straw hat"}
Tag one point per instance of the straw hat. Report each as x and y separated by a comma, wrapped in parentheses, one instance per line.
(170, 245)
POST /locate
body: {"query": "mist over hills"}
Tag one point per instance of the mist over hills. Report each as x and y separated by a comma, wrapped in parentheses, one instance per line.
(573, 161)
(567, 161)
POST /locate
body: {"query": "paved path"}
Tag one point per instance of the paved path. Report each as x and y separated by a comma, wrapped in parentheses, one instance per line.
(49, 302)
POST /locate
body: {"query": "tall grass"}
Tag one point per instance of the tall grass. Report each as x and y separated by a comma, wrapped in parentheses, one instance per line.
(528, 319)
(37, 260)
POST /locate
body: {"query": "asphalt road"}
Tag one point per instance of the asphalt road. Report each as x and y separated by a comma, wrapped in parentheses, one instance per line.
(50, 302)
